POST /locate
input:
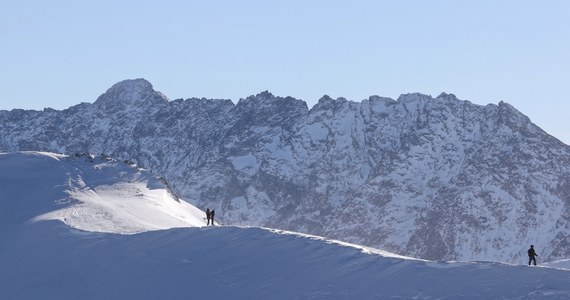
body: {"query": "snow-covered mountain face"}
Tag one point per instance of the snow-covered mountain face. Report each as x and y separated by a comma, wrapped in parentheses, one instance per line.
(435, 178)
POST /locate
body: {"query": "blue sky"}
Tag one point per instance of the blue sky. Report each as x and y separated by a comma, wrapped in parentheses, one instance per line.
(60, 53)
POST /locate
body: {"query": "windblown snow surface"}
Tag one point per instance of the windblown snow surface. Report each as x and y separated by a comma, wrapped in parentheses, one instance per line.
(95, 228)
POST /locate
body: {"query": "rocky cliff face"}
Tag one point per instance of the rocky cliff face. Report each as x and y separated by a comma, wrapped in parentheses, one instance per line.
(436, 178)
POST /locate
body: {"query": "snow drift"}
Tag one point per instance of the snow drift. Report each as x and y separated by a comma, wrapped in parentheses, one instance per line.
(92, 193)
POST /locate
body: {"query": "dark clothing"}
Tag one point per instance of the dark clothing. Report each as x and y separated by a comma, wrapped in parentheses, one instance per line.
(532, 256)
(531, 252)
(531, 259)
(208, 216)
(212, 216)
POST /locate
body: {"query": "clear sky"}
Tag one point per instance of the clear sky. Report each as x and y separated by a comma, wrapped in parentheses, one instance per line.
(60, 53)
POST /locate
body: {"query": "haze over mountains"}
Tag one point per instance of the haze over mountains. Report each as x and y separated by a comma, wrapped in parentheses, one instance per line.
(434, 178)
(92, 227)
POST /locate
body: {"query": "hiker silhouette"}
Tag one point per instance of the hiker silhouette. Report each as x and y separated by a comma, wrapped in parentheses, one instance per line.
(532, 255)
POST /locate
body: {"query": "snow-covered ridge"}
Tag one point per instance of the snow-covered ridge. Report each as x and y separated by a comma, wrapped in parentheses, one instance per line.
(245, 263)
(435, 178)
(93, 193)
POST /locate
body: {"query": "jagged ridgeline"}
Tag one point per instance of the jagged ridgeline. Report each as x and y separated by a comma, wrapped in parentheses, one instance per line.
(435, 178)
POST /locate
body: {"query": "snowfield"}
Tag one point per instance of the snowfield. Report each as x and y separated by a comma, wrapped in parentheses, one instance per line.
(95, 228)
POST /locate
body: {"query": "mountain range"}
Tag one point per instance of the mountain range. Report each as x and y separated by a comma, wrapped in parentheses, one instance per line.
(435, 178)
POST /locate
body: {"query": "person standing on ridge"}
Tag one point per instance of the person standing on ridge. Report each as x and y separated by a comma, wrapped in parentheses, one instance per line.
(532, 255)
(208, 216)
(212, 216)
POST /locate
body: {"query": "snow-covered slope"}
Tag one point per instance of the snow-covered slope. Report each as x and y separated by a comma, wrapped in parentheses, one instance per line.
(96, 194)
(43, 258)
(436, 178)
(51, 261)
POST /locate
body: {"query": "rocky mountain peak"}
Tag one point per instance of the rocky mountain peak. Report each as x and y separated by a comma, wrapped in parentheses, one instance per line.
(265, 95)
(129, 92)
(376, 98)
(445, 95)
(265, 102)
(414, 97)
(326, 98)
(328, 103)
(256, 100)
